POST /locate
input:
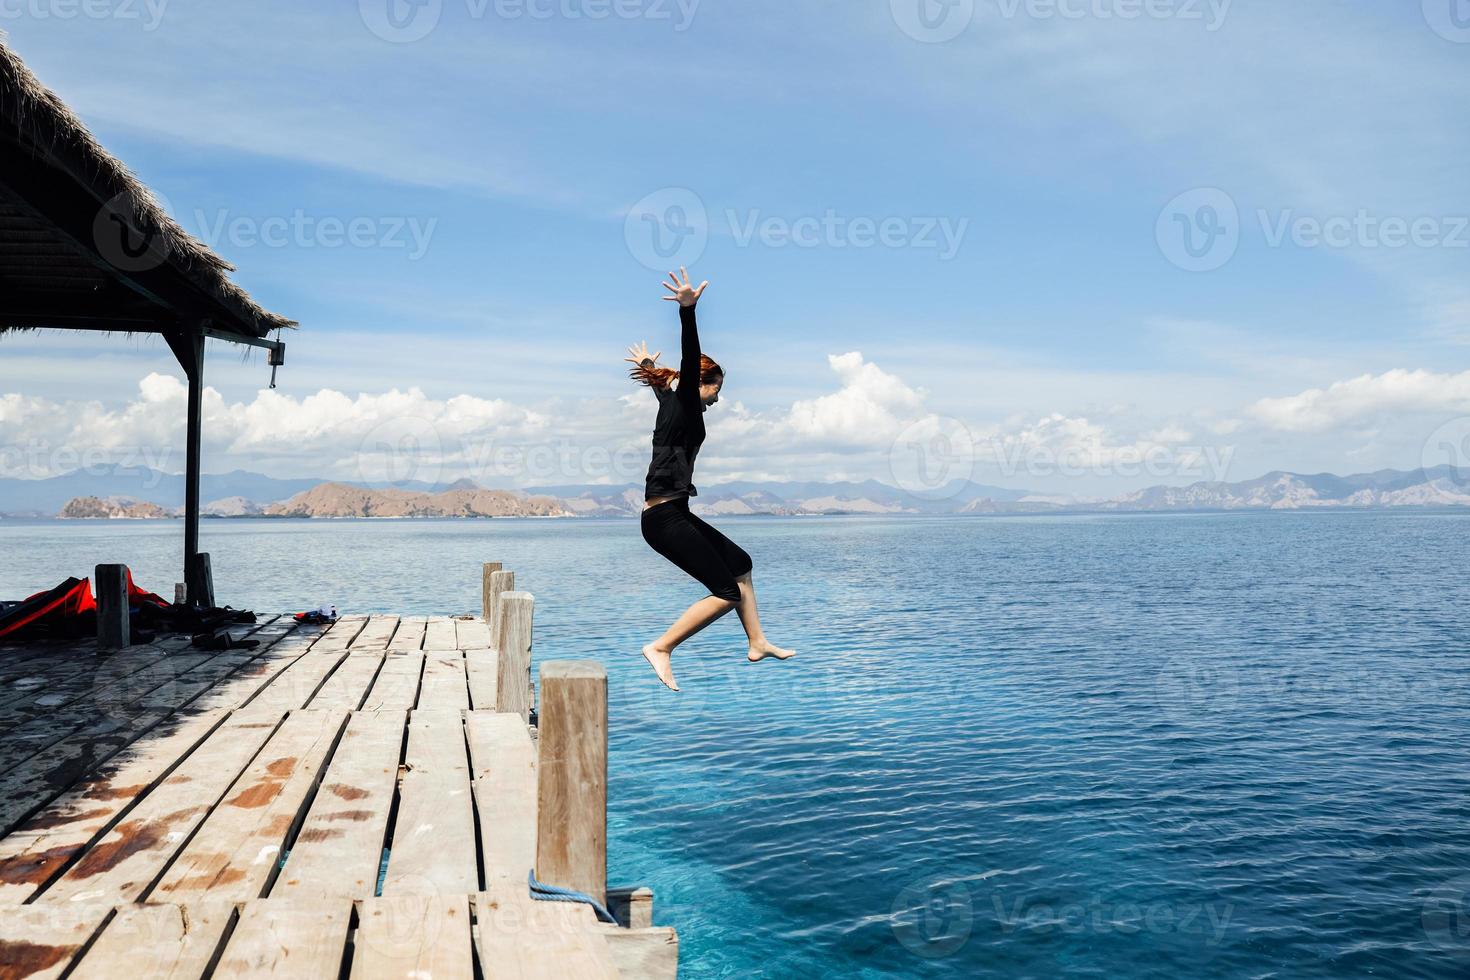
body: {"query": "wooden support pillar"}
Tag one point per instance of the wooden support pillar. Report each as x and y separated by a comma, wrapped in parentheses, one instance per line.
(571, 778)
(497, 584)
(114, 629)
(513, 673)
(487, 601)
(200, 585)
(188, 347)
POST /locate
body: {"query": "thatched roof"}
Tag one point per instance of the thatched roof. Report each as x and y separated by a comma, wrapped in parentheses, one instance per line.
(61, 196)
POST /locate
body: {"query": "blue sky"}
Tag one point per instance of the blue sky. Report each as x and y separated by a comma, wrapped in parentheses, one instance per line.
(1031, 315)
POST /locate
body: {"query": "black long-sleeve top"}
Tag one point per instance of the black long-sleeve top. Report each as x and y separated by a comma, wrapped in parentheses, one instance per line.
(679, 431)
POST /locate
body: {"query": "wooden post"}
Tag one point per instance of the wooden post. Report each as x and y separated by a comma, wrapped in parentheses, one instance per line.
(513, 675)
(488, 600)
(114, 631)
(188, 347)
(201, 581)
(500, 583)
(571, 785)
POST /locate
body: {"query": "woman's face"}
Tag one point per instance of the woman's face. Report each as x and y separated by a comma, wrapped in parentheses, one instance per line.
(709, 394)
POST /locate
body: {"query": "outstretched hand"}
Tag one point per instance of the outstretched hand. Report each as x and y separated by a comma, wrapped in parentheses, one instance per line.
(684, 294)
(639, 353)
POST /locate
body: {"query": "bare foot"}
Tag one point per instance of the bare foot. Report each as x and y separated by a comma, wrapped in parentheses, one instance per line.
(764, 650)
(663, 665)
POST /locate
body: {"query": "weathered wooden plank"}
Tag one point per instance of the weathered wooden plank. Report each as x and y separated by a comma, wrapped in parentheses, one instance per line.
(124, 862)
(439, 634)
(282, 938)
(443, 687)
(47, 842)
(40, 942)
(340, 847)
(472, 634)
(530, 940)
(376, 634)
(649, 953)
(237, 849)
(349, 683)
(339, 635)
(410, 635)
(298, 683)
(157, 942)
(434, 835)
(417, 936)
(482, 668)
(397, 684)
(503, 762)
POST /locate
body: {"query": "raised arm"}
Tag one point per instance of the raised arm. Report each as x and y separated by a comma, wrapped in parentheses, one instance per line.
(687, 297)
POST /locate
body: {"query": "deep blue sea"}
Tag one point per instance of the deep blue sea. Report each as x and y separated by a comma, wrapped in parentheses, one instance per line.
(1122, 747)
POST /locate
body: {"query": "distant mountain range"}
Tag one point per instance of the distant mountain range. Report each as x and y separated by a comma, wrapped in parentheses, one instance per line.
(145, 493)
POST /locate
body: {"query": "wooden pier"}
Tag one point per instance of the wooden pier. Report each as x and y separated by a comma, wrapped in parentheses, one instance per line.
(364, 799)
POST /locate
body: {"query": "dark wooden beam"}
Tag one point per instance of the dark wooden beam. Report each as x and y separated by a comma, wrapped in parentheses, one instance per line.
(188, 347)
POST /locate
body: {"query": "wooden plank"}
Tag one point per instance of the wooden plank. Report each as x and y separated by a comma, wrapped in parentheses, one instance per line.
(482, 668)
(397, 684)
(40, 942)
(571, 802)
(472, 634)
(503, 762)
(157, 942)
(124, 862)
(650, 953)
(433, 849)
(523, 939)
(444, 687)
(237, 849)
(439, 634)
(298, 683)
(339, 850)
(339, 635)
(281, 938)
(416, 936)
(349, 683)
(376, 634)
(410, 635)
(47, 842)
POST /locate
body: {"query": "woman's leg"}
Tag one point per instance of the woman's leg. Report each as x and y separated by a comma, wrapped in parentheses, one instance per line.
(738, 561)
(750, 618)
(660, 652)
(672, 531)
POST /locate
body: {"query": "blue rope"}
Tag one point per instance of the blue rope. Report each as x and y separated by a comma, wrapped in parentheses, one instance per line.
(551, 893)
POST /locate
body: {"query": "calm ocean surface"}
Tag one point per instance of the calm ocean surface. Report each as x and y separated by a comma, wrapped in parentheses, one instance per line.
(1145, 746)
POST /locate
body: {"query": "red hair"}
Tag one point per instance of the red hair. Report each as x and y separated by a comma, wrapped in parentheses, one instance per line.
(661, 378)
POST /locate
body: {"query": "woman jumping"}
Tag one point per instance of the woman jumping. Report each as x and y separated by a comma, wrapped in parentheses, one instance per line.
(718, 563)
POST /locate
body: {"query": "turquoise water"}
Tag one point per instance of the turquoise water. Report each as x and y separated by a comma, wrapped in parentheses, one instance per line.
(1145, 746)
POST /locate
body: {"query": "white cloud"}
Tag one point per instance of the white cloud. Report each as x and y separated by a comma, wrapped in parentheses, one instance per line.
(1365, 399)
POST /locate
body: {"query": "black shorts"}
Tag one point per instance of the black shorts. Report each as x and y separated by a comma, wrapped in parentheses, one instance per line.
(702, 552)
